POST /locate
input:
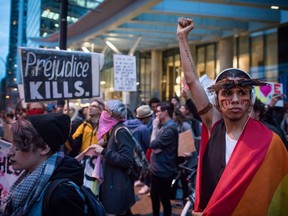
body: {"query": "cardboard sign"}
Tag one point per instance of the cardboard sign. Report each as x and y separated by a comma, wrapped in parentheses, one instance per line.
(7, 174)
(186, 143)
(124, 73)
(265, 93)
(56, 74)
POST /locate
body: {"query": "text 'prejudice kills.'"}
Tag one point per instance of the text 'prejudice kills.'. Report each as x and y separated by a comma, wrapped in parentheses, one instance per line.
(57, 68)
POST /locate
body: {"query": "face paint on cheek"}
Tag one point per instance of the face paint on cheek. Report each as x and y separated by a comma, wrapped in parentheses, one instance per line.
(225, 103)
(242, 101)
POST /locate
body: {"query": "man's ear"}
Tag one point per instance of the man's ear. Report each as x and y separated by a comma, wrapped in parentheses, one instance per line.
(45, 150)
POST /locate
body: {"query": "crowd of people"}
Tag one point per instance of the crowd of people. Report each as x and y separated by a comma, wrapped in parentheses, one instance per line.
(91, 146)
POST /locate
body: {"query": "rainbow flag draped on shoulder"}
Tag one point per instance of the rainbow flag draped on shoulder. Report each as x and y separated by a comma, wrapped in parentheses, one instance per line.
(255, 179)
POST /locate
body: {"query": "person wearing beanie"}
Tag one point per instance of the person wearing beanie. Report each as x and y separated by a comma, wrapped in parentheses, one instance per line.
(36, 141)
(242, 165)
(117, 190)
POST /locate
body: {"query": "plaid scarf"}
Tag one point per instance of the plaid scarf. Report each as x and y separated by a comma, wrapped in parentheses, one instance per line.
(28, 187)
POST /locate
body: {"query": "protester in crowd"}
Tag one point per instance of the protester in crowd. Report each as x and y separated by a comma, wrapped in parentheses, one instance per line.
(141, 133)
(153, 105)
(72, 112)
(9, 118)
(176, 102)
(189, 111)
(116, 191)
(272, 114)
(138, 128)
(35, 152)
(60, 106)
(183, 124)
(82, 113)
(227, 183)
(259, 113)
(86, 133)
(164, 145)
(85, 137)
(36, 108)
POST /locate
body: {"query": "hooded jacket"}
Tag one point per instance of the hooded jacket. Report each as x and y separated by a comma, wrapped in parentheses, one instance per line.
(140, 132)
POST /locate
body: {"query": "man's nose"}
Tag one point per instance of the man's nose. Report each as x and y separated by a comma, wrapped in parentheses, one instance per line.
(235, 97)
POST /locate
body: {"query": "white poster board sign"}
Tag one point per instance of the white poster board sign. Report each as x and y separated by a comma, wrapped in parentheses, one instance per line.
(58, 74)
(265, 93)
(124, 73)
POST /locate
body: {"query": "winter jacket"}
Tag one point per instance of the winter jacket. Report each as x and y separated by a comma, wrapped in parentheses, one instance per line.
(164, 163)
(89, 136)
(117, 190)
(65, 200)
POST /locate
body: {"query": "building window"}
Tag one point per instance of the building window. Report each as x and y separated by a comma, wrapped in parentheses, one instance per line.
(206, 56)
(271, 55)
(257, 54)
(243, 53)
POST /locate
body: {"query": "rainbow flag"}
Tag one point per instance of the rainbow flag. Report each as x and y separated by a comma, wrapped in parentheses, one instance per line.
(255, 180)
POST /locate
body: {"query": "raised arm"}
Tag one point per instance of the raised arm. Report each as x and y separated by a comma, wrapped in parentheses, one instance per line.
(207, 112)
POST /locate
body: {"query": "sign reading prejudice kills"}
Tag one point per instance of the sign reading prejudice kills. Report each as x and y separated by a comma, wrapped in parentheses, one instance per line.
(54, 74)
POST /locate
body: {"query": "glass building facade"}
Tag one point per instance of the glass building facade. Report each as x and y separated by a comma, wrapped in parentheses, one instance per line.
(260, 53)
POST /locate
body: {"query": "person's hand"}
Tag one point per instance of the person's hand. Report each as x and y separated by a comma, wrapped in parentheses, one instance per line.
(185, 25)
(275, 98)
(98, 149)
(101, 142)
(156, 123)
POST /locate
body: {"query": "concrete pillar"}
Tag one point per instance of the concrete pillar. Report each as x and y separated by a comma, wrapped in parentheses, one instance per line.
(156, 71)
(225, 53)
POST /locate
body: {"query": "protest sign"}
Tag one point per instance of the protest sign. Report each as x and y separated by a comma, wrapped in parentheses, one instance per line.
(8, 175)
(186, 143)
(57, 74)
(265, 93)
(124, 73)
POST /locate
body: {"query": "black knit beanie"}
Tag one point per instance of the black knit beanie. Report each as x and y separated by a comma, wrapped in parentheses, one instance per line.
(54, 128)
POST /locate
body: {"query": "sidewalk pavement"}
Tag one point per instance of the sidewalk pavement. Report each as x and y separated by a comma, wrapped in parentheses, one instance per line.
(143, 206)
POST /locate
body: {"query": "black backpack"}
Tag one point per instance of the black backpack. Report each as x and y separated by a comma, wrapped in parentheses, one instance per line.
(92, 205)
(140, 167)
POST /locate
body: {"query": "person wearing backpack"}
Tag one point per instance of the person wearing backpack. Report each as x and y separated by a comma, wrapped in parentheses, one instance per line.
(141, 133)
(35, 151)
(117, 190)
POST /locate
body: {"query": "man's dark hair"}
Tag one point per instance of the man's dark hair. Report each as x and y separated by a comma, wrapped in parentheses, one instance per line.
(176, 98)
(167, 106)
(154, 100)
